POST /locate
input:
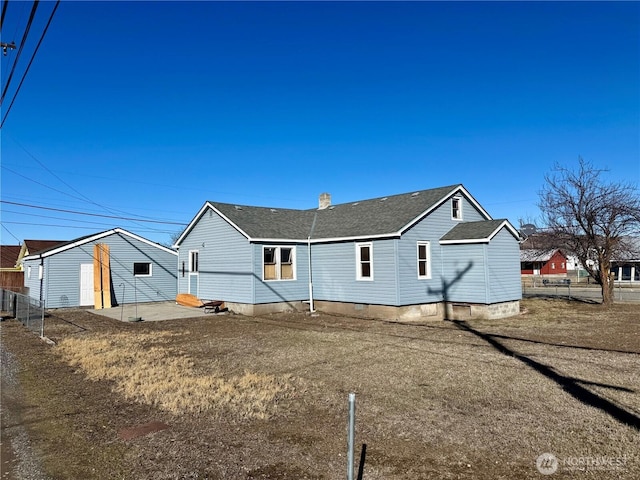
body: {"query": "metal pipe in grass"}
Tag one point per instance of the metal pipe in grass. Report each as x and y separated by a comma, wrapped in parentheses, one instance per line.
(351, 435)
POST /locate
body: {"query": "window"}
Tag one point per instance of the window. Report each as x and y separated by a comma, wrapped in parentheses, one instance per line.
(278, 263)
(553, 266)
(29, 271)
(562, 265)
(364, 261)
(142, 269)
(456, 208)
(424, 260)
(193, 261)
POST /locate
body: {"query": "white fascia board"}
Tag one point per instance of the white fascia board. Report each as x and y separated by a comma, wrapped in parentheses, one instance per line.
(197, 218)
(73, 244)
(95, 237)
(473, 201)
(277, 240)
(467, 241)
(357, 238)
(145, 240)
(506, 224)
(458, 189)
(191, 224)
(325, 240)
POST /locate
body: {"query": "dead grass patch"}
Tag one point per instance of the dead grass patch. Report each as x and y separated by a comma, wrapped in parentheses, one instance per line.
(145, 368)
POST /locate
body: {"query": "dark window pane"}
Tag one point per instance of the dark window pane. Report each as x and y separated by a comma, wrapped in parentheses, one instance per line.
(366, 270)
(364, 254)
(269, 255)
(141, 268)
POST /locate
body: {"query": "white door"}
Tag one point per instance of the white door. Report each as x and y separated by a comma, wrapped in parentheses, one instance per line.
(86, 284)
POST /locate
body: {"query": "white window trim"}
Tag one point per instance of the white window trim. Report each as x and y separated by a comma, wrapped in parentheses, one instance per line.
(359, 276)
(428, 260)
(459, 200)
(28, 271)
(150, 274)
(191, 252)
(279, 265)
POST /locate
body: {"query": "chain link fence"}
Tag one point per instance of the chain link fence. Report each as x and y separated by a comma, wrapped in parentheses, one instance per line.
(27, 310)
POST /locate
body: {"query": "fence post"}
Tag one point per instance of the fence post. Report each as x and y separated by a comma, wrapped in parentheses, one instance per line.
(42, 319)
(351, 435)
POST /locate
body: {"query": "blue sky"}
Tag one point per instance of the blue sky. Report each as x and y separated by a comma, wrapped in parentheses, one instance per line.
(148, 109)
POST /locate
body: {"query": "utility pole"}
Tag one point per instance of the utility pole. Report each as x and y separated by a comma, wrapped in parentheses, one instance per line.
(7, 46)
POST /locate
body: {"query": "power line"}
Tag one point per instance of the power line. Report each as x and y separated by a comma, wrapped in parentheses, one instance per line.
(92, 214)
(22, 44)
(3, 226)
(77, 227)
(30, 62)
(39, 183)
(4, 12)
(87, 199)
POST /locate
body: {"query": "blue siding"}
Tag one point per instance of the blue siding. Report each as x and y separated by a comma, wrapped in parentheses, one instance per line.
(334, 273)
(225, 261)
(31, 281)
(413, 290)
(504, 268)
(62, 272)
(282, 290)
(463, 276)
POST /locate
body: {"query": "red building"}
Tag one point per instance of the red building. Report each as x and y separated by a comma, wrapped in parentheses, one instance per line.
(543, 262)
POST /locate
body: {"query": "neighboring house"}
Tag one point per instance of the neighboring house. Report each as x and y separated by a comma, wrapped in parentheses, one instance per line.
(11, 277)
(403, 256)
(628, 269)
(29, 247)
(9, 258)
(139, 271)
(535, 261)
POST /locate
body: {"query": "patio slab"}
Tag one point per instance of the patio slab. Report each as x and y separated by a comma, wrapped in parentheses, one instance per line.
(150, 312)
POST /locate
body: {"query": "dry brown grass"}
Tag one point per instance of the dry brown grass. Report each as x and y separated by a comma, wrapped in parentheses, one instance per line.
(439, 400)
(145, 368)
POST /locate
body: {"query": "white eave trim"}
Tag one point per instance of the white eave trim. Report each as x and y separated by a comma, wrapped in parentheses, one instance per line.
(197, 218)
(326, 240)
(95, 237)
(505, 224)
(456, 190)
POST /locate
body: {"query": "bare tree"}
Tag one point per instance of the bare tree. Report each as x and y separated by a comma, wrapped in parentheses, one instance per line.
(591, 218)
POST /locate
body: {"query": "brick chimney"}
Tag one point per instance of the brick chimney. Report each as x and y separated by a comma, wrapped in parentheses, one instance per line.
(324, 201)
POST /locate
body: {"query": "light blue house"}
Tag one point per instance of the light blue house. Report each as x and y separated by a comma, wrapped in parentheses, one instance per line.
(140, 271)
(425, 254)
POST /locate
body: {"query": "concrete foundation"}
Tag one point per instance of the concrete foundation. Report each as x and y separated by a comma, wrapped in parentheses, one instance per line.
(423, 312)
(407, 313)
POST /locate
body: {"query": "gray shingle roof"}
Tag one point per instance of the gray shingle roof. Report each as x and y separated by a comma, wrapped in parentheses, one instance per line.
(365, 218)
(537, 254)
(470, 231)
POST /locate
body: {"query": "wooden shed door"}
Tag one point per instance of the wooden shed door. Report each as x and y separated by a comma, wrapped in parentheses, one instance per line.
(86, 284)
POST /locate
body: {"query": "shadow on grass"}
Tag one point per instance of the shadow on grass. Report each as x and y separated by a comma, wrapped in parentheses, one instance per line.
(363, 456)
(572, 298)
(569, 384)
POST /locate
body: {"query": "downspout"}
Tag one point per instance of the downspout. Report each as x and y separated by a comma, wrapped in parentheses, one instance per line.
(313, 226)
(41, 276)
